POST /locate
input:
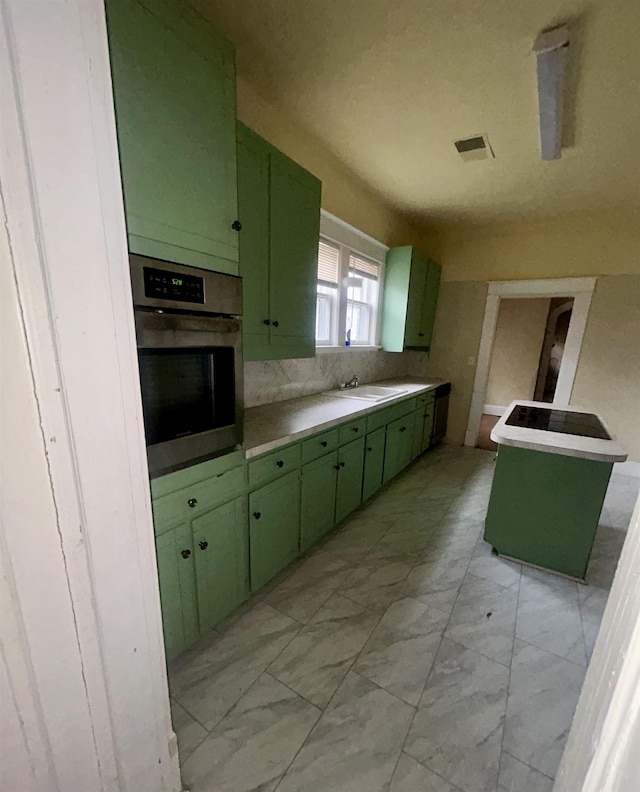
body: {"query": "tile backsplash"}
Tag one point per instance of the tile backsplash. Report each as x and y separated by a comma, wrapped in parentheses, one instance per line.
(278, 380)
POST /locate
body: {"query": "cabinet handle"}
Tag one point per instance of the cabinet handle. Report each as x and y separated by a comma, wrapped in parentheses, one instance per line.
(420, 334)
(266, 322)
(185, 553)
(192, 502)
(257, 515)
(204, 545)
(280, 463)
(236, 225)
(403, 428)
(323, 443)
(275, 324)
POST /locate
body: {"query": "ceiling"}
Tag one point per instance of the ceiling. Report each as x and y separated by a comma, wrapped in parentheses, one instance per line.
(388, 85)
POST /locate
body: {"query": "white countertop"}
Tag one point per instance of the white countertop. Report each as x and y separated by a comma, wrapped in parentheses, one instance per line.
(271, 426)
(557, 442)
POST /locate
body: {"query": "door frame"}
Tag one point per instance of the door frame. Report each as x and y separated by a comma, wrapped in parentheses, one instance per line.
(581, 289)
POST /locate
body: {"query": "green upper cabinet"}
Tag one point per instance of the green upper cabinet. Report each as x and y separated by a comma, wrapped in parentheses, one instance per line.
(174, 89)
(410, 299)
(279, 211)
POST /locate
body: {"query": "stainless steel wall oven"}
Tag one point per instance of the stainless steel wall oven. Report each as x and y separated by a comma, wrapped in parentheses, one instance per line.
(189, 332)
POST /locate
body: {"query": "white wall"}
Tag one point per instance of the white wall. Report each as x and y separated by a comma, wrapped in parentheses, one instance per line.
(83, 683)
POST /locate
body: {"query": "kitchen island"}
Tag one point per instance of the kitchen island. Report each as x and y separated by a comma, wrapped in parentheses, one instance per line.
(551, 477)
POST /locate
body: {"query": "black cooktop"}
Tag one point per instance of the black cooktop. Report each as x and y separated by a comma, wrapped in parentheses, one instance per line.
(550, 420)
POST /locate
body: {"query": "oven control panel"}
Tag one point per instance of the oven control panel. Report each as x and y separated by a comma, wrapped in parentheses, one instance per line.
(167, 285)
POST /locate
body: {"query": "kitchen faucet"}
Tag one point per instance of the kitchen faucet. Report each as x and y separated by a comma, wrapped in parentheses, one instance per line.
(352, 383)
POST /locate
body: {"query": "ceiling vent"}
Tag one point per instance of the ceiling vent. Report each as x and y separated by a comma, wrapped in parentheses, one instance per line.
(474, 148)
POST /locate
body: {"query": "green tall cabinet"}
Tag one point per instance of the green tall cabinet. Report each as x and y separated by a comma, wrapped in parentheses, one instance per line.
(279, 213)
(174, 89)
(410, 300)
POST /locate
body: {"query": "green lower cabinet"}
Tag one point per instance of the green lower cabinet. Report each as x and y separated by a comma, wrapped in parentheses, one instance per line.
(176, 575)
(544, 508)
(427, 427)
(373, 463)
(350, 472)
(398, 447)
(220, 546)
(274, 528)
(318, 498)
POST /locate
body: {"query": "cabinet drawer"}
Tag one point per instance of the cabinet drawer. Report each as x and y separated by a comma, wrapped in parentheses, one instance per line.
(353, 430)
(426, 398)
(389, 414)
(197, 498)
(271, 466)
(319, 444)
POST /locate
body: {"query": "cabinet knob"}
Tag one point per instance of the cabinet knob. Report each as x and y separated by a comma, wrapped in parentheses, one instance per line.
(324, 443)
(276, 323)
(280, 463)
(337, 467)
(236, 225)
(420, 334)
(185, 553)
(369, 448)
(341, 464)
(257, 515)
(203, 545)
(192, 502)
(356, 428)
(266, 322)
(403, 428)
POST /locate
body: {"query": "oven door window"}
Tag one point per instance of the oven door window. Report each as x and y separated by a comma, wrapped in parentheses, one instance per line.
(186, 391)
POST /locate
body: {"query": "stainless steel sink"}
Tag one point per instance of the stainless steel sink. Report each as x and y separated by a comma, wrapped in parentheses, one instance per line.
(371, 393)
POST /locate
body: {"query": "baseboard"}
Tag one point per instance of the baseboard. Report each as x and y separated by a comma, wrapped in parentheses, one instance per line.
(627, 468)
(493, 409)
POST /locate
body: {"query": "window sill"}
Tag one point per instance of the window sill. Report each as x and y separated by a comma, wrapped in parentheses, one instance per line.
(323, 350)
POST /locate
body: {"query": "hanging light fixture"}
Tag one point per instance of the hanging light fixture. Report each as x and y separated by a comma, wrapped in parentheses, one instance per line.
(551, 49)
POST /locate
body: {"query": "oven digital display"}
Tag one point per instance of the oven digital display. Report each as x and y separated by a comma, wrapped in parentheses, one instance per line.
(167, 285)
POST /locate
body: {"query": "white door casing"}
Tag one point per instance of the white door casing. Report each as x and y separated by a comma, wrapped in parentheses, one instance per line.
(581, 289)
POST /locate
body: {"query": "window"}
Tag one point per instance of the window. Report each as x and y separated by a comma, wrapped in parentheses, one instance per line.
(348, 293)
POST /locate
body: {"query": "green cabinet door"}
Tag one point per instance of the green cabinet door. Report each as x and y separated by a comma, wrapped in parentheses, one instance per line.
(373, 462)
(417, 432)
(294, 228)
(174, 89)
(274, 527)
(427, 427)
(350, 473)
(220, 546)
(176, 576)
(398, 446)
(413, 335)
(318, 498)
(430, 303)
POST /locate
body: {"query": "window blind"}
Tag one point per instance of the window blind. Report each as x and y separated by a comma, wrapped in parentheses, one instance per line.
(328, 262)
(364, 267)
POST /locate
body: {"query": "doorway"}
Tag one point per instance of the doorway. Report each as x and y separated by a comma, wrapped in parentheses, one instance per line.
(529, 348)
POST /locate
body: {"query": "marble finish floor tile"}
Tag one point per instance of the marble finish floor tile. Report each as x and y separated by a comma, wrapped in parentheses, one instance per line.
(302, 593)
(188, 731)
(593, 601)
(316, 661)
(254, 744)
(485, 564)
(543, 694)
(440, 574)
(411, 776)
(355, 745)
(399, 654)
(457, 731)
(518, 777)
(376, 583)
(353, 540)
(549, 615)
(484, 618)
(212, 681)
(604, 556)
